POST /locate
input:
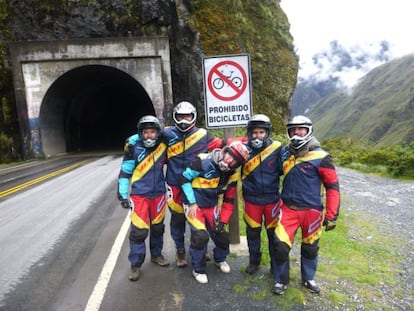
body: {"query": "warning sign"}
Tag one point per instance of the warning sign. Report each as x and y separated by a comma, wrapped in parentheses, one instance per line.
(227, 90)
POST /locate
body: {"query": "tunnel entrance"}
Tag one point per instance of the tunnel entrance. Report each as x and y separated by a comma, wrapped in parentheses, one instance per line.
(88, 94)
(92, 108)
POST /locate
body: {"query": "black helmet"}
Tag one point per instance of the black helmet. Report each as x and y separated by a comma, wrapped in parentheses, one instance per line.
(298, 142)
(258, 121)
(149, 122)
(184, 107)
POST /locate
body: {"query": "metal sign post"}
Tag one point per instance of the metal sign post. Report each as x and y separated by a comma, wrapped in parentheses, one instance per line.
(234, 227)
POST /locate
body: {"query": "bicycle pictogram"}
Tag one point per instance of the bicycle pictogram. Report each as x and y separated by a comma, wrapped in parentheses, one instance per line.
(218, 83)
(227, 80)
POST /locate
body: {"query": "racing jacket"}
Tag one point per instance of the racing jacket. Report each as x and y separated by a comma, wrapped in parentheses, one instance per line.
(143, 168)
(183, 148)
(304, 176)
(202, 183)
(261, 174)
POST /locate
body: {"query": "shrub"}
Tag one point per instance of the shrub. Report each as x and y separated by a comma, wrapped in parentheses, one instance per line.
(392, 161)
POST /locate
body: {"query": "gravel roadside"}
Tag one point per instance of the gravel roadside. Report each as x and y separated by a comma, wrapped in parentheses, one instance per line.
(391, 203)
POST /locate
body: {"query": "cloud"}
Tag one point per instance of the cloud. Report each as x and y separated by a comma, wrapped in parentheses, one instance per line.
(352, 35)
(345, 64)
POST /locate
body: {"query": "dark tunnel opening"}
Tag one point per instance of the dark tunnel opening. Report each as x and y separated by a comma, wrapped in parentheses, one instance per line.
(92, 108)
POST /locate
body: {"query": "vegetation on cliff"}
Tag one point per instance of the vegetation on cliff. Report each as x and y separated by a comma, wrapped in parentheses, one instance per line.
(9, 128)
(260, 29)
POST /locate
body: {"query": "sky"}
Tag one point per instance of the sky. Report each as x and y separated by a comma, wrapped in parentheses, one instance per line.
(368, 33)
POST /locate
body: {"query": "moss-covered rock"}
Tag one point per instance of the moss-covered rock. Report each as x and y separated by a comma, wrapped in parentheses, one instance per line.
(260, 29)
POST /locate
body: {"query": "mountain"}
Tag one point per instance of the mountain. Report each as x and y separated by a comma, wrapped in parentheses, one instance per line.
(307, 93)
(334, 68)
(379, 108)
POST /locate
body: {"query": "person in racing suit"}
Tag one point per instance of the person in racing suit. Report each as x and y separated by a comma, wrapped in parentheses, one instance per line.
(184, 142)
(142, 173)
(261, 178)
(307, 170)
(202, 182)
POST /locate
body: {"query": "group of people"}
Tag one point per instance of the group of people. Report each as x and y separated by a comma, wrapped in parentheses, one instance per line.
(201, 167)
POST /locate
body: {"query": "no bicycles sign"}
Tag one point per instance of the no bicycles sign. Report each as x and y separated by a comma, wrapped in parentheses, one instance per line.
(227, 90)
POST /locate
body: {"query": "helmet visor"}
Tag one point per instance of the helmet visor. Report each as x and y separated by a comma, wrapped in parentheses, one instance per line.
(298, 131)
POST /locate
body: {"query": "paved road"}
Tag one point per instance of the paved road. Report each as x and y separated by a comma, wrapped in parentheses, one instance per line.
(47, 231)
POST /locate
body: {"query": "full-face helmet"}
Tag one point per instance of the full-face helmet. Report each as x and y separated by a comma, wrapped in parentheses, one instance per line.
(146, 122)
(184, 108)
(238, 152)
(297, 141)
(258, 121)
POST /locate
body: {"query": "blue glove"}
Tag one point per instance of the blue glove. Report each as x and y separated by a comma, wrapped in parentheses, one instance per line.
(125, 204)
(329, 224)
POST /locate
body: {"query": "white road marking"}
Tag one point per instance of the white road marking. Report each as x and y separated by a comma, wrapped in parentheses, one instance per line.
(99, 290)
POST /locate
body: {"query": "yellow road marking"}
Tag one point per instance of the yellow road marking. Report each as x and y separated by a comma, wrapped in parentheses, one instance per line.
(41, 178)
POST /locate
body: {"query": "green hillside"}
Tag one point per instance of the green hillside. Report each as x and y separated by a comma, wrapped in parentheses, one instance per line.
(379, 109)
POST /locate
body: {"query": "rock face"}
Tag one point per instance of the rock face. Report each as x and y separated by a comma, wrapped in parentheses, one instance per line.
(194, 28)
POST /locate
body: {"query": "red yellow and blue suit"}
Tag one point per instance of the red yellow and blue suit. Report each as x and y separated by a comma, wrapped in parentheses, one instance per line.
(142, 172)
(202, 183)
(306, 176)
(182, 149)
(261, 178)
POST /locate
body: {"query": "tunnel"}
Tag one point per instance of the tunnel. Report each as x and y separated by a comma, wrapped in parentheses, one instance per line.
(91, 108)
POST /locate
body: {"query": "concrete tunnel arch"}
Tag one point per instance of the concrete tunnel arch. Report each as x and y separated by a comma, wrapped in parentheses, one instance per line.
(88, 94)
(91, 108)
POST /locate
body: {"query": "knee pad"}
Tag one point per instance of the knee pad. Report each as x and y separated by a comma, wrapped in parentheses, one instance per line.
(223, 239)
(177, 220)
(253, 233)
(309, 251)
(157, 229)
(281, 252)
(199, 239)
(137, 235)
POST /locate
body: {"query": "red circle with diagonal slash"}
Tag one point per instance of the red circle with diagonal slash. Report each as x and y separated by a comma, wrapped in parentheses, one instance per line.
(215, 70)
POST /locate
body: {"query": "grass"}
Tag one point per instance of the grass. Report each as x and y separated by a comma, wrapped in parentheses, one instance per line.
(354, 259)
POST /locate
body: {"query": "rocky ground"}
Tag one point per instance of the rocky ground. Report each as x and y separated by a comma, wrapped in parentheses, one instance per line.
(391, 204)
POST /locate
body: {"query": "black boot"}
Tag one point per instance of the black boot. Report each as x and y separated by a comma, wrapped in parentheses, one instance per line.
(254, 264)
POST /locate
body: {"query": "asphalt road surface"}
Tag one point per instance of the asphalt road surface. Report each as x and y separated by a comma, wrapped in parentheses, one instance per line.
(48, 231)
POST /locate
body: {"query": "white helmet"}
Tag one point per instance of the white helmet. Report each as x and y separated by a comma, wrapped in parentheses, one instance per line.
(184, 107)
(145, 122)
(296, 141)
(258, 121)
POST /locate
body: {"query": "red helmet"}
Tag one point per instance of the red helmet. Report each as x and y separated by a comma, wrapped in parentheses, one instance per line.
(238, 151)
